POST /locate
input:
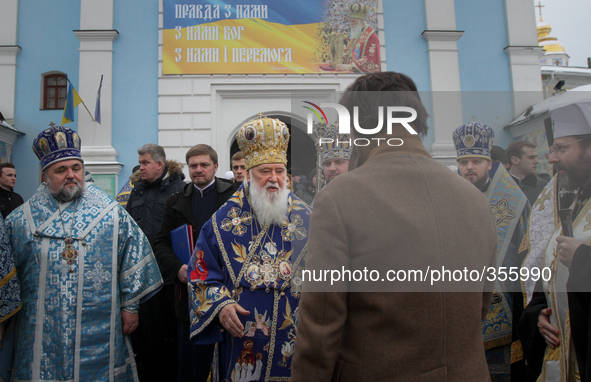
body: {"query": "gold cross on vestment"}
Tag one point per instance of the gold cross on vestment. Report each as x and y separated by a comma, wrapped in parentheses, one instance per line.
(588, 225)
(540, 6)
(546, 195)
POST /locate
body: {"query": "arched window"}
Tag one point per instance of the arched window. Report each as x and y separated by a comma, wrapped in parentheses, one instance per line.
(55, 90)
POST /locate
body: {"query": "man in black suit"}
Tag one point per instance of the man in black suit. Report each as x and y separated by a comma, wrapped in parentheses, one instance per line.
(523, 161)
(193, 205)
(9, 199)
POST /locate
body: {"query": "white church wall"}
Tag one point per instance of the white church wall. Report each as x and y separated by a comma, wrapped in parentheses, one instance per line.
(209, 109)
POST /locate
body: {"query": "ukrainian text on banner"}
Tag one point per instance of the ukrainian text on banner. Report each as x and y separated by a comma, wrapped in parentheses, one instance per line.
(268, 36)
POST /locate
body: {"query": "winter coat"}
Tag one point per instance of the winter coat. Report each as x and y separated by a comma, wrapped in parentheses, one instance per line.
(398, 209)
(147, 199)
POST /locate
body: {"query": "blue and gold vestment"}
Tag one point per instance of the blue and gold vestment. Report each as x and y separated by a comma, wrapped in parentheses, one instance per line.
(69, 327)
(10, 302)
(123, 195)
(510, 209)
(238, 261)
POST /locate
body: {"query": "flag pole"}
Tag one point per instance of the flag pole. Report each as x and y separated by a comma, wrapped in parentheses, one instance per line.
(82, 102)
(89, 113)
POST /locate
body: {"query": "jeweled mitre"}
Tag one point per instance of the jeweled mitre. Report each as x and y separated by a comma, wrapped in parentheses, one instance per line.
(263, 140)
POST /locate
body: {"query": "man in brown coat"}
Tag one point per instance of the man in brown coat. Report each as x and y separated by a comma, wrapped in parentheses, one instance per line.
(395, 211)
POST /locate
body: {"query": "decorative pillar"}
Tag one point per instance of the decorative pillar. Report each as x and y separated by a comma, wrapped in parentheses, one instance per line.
(441, 36)
(96, 37)
(524, 54)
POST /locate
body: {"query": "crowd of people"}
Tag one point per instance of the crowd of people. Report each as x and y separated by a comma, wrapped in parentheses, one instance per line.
(205, 279)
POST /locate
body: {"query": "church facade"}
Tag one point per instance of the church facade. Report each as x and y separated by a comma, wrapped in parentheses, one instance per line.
(463, 70)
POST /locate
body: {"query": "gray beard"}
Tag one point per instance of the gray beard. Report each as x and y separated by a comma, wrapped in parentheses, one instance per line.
(64, 195)
(568, 183)
(269, 209)
(576, 176)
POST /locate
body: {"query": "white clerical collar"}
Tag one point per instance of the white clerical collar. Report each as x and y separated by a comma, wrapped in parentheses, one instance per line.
(203, 189)
(515, 176)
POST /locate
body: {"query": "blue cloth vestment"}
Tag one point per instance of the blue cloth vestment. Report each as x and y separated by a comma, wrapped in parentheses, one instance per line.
(238, 261)
(69, 327)
(10, 302)
(510, 209)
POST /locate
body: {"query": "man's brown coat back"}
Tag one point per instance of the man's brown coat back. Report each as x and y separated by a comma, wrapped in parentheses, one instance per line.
(399, 209)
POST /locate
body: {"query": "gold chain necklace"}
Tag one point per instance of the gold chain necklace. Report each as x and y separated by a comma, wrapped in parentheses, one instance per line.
(69, 254)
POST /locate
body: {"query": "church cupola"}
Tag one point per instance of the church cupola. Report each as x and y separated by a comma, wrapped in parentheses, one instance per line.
(554, 53)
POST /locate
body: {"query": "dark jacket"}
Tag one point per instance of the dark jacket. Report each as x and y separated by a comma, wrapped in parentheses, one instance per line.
(176, 213)
(579, 305)
(531, 186)
(9, 200)
(147, 199)
(307, 193)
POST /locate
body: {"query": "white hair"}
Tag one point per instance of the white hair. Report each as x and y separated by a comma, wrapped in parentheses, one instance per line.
(269, 208)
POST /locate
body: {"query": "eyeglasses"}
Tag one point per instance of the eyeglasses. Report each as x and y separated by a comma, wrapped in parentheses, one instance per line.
(559, 149)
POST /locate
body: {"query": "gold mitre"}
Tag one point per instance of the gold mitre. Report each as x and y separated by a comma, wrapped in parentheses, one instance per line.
(263, 140)
(358, 11)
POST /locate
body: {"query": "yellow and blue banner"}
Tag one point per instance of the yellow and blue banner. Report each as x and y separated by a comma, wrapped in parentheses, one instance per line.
(263, 36)
(72, 100)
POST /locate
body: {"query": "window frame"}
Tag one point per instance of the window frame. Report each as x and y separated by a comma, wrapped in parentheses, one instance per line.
(45, 88)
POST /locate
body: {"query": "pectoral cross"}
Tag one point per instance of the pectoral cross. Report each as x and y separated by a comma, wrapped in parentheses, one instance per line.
(269, 273)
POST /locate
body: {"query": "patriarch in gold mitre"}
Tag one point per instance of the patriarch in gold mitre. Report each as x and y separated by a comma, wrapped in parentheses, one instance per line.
(264, 143)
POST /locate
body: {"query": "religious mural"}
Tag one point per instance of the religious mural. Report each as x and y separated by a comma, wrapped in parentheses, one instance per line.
(265, 36)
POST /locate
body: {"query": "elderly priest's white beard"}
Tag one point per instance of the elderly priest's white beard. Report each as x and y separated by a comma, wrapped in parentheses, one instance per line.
(269, 207)
(356, 30)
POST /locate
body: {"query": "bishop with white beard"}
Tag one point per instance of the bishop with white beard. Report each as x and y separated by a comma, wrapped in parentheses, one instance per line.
(362, 54)
(245, 273)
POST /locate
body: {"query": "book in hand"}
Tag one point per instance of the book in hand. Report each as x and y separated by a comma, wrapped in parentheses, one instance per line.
(182, 242)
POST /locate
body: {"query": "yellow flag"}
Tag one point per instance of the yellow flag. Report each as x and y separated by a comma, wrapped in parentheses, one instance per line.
(72, 100)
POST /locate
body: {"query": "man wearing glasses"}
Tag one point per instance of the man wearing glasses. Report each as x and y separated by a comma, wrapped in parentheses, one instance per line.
(554, 327)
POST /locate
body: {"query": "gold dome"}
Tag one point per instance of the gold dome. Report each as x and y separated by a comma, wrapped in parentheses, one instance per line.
(544, 30)
(549, 44)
